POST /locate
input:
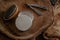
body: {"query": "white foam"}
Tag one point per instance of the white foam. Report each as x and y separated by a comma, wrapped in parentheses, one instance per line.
(24, 21)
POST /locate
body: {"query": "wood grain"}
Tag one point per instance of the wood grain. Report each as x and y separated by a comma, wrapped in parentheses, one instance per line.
(40, 23)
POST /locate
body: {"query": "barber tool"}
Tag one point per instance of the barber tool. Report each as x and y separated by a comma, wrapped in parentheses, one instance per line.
(38, 6)
(35, 10)
(24, 20)
(11, 12)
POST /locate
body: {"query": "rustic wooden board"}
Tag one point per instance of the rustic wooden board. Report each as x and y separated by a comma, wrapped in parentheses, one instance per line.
(40, 23)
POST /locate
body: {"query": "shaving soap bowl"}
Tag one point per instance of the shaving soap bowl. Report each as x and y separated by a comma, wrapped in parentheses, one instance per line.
(24, 20)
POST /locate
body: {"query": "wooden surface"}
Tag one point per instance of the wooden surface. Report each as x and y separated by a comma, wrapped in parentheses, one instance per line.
(54, 29)
(40, 23)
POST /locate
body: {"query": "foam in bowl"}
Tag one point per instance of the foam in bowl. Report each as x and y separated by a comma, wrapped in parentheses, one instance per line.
(24, 20)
